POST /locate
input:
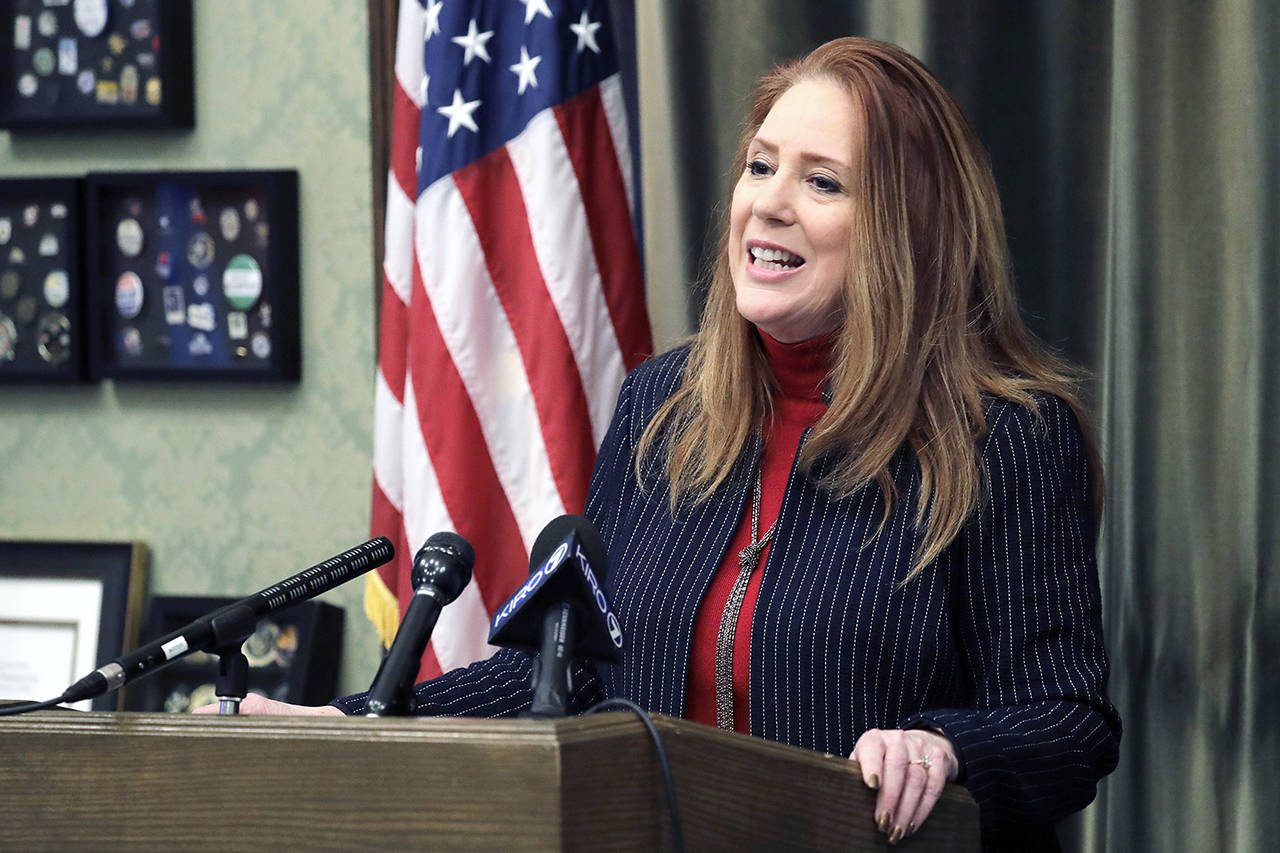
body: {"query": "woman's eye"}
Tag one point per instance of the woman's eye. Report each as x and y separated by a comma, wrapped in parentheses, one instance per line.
(758, 168)
(824, 184)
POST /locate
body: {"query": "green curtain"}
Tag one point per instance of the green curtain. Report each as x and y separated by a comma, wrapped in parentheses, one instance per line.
(1137, 150)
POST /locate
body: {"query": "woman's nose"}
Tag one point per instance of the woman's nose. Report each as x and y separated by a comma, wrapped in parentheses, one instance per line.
(773, 201)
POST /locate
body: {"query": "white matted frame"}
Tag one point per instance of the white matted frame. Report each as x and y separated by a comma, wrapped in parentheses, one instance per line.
(66, 607)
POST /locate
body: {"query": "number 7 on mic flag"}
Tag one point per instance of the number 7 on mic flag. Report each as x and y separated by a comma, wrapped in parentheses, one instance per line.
(512, 297)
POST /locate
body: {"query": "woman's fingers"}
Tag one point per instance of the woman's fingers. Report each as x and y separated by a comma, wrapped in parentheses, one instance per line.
(935, 780)
(869, 753)
(910, 769)
(914, 776)
(893, 781)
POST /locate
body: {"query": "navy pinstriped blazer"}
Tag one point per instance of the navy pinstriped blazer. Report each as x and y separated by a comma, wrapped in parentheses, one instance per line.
(998, 643)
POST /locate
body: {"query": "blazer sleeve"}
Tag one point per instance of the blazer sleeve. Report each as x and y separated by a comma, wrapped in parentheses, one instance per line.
(1026, 603)
(501, 686)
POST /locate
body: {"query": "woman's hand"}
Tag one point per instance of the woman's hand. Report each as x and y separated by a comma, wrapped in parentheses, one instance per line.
(255, 704)
(909, 768)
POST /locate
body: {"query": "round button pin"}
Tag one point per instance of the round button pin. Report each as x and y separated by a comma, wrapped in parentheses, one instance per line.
(57, 288)
(47, 23)
(54, 339)
(131, 340)
(8, 339)
(200, 250)
(260, 344)
(25, 310)
(129, 238)
(90, 16)
(27, 85)
(44, 61)
(9, 284)
(229, 223)
(129, 295)
(242, 282)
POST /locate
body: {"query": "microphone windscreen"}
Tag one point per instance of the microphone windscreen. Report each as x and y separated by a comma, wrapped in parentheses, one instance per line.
(444, 561)
(451, 540)
(557, 530)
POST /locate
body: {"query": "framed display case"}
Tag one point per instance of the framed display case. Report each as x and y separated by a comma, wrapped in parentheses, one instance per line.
(41, 280)
(293, 656)
(65, 608)
(193, 275)
(95, 63)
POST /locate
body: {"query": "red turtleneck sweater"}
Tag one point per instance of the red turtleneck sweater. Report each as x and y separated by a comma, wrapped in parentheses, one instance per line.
(801, 371)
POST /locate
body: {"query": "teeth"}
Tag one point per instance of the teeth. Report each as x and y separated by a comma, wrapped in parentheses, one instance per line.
(775, 259)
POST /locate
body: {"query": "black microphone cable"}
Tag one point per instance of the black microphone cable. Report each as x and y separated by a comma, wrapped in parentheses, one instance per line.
(673, 808)
(27, 707)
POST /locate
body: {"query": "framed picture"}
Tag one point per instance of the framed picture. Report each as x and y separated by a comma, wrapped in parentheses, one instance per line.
(95, 63)
(41, 291)
(293, 656)
(193, 275)
(66, 608)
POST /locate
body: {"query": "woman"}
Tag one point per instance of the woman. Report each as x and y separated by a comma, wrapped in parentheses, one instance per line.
(857, 514)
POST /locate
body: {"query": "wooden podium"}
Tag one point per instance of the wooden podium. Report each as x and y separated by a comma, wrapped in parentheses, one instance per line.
(123, 781)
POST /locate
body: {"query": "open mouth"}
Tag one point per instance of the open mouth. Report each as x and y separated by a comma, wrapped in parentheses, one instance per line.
(774, 260)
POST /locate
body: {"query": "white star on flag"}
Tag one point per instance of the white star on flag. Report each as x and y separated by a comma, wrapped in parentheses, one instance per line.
(474, 42)
(526, 68)
(431, 23)
(459, 113)
(422, 90)
(533, 7)
(585, 30)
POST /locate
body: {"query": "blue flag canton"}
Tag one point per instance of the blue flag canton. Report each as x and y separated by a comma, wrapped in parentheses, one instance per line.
(492, 65)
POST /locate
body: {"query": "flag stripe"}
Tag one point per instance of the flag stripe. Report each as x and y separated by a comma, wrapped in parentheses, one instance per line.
(590, 143)
(394, 340)
(469, 485)
(425, 513)
(406, 117)
(492, 195)
(409, 68)
(562, 242)
(615, 111)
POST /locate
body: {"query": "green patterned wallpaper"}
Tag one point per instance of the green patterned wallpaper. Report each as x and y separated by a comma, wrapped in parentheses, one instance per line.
(231, 487)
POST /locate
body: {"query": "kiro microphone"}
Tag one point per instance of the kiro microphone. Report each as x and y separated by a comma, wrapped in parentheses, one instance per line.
(441, 570)
(233, 623)
(561, 611)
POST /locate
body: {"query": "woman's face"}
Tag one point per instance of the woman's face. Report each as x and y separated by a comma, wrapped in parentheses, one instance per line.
(792, 212)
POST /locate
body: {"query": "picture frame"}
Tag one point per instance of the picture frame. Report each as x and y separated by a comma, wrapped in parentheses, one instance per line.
(293, 656)
(96, 64)
(41, 280)
(193, 275)
(66, 608)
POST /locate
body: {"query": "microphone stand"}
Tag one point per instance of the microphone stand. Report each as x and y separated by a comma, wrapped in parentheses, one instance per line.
(233, 679)
(231, 627)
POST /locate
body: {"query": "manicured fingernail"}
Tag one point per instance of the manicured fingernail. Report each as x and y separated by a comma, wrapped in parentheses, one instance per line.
(874, 784)
(896, 835)
(886, 820)
(911, 827)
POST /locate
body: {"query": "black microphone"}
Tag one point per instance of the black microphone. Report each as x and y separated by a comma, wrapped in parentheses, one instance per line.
(235, 621)
(561, 612)
(441, 571)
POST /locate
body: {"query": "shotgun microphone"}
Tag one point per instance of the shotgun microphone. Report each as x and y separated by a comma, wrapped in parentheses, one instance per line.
(234, 621)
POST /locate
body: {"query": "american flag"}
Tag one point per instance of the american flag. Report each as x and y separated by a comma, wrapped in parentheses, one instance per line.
(512, 299)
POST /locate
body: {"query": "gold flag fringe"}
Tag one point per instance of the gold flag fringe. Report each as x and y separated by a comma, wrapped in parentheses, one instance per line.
(381, 607)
